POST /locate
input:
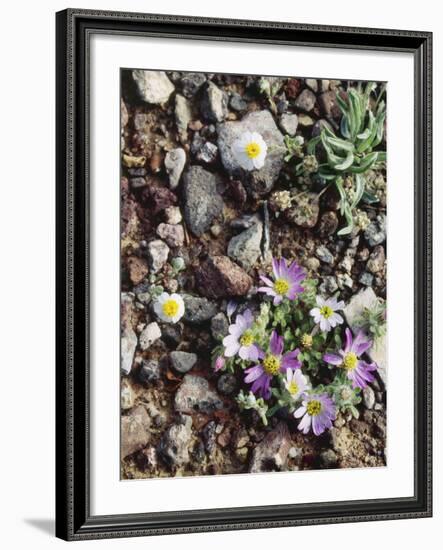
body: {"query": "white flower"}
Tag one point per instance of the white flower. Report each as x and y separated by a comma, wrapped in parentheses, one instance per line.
(250, 151)
(169, 307)
(325, 314)
(296, 383)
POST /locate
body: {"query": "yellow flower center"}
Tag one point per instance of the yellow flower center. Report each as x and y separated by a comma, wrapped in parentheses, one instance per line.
(313, 407)
(281, 286)
(170, 308)
(252, 149)
(350, 361)
(271, 364)
(326, 312)
(306, 341)
(292, 388)
(247, 339)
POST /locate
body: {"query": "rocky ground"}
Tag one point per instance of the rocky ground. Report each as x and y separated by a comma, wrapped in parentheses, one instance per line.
(191, 224)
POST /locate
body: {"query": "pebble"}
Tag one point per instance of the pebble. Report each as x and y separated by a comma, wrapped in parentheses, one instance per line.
(245, 248)
(288, 123)
(191, 83)
(128, 344)
(134, 435)
(127, 398)
(329, 285)
(198, 309)
(173, 448)
(207, 153)
(376, 260)
(175, 161)
(219, 326)
(219, 277)
(158, 252)
(149, 335)
(153, 86)
(324, 254)
(306, 100)
(328, 224)
(182, 361)
(237, 103)
(366, 278)
(213, 103)
(172, 234)
(328, 104)
(375, 233)
(312, 83)
(173, 215)
(271, 454)
(149, 371)
(194, 395)
(202, 202)
(137, 268)
(183, 116)
(368, 397)
(227, 384)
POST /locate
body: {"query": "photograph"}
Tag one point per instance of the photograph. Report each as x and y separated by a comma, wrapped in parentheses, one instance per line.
(253, 280)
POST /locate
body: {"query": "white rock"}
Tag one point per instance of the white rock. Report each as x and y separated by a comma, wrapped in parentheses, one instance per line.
(175, 161)
(126, 398)
(157, 254)
(288, 123)
(149, 335)
(128, 345)
(173, 215)
(183, 116)
(153, 86)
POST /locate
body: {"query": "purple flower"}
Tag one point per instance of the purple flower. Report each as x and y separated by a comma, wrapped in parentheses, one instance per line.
(219, 363)
(357, 370)
(286, 283)
(272, 363)
(317, 411)
(240, 339)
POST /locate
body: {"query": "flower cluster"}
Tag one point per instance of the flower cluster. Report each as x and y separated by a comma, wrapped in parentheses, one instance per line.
(290, 346)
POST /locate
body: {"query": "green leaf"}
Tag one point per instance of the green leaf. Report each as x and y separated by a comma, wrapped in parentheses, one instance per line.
(359, 190)
(312, 144)
(365, 164)
(345, 164)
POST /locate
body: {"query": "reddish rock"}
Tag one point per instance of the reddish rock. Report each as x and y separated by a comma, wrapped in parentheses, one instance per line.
(219, 277)
(292, 88)
(134, 434)
(137, 268)
(161, 198)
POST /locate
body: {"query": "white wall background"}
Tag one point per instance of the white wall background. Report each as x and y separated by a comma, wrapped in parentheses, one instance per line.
(27, 272)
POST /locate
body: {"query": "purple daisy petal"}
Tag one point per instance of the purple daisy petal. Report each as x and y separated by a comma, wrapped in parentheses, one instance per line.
(276, 343)
(333, 359)
(253, 373)
(361, 343)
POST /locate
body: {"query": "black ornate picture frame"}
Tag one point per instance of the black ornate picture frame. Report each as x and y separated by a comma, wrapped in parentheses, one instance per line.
(74, 30)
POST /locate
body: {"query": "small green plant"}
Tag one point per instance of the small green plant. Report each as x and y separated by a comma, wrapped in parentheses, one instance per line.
(345, 396)
(294, 147)
(373, 319)
(350, 156)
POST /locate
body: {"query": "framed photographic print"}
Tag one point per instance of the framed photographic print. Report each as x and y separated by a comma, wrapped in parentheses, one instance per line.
(243, 274)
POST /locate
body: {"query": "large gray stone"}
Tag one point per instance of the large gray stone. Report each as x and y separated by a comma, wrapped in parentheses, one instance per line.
(202, 202)
(183, 116)
(258, 182)
(153, 86)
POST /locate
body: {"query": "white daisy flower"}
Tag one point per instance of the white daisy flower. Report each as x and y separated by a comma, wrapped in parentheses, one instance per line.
(325, 314)
(250, 151)
(296, 383)
(169, 307)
